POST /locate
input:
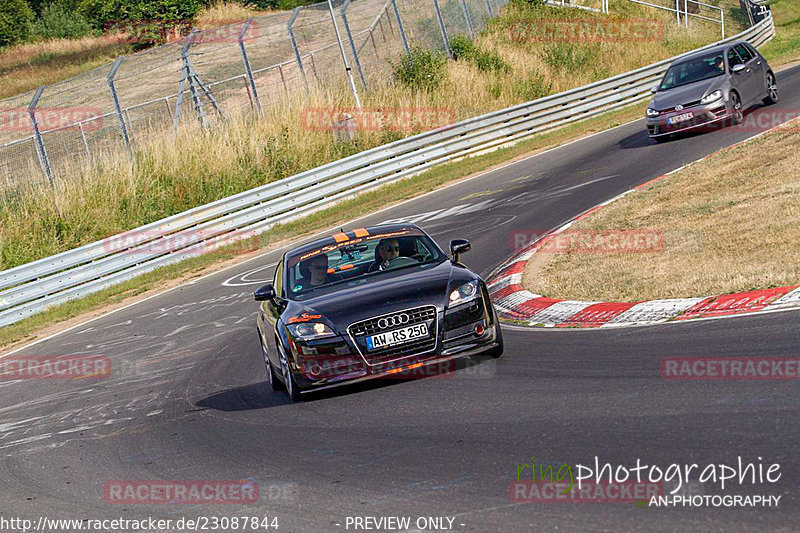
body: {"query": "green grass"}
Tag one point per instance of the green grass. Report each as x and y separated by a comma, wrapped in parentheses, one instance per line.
(785, 47)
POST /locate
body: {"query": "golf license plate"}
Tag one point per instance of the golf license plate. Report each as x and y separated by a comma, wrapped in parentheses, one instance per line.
(680, 118)
(397, 336)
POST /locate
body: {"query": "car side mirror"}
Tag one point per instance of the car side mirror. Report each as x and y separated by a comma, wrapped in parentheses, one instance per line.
(738, 68)
(265, 293)
(459, 246)
(654, 89)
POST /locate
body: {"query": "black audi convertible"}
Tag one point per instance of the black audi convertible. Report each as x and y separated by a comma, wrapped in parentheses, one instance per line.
(371, 303)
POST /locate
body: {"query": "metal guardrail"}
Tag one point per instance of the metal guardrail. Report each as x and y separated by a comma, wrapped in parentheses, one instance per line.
(31, 288)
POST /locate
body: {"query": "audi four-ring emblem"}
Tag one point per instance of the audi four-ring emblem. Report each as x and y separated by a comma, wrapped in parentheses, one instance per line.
(393, 321)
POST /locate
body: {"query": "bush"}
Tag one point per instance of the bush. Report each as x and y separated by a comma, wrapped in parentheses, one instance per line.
(532, 88)
(59, 20)
(464, 49)
(421, 69)
(570, 57)
(100, 13)
(16, 19)
(528, 4)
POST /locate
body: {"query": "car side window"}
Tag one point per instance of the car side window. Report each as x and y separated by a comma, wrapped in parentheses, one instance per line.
(734, 59)
(743, 52)
(277, 282)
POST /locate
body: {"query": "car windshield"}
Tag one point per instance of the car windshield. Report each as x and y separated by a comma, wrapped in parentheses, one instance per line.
(695, 69)
(358, 261)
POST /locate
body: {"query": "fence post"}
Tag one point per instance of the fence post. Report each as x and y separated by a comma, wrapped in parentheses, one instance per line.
(122, 126)
(40, 149)
(467, 18)
(400, 26)
(352, 43)
(247, 67)
(295, 13)
(678, 11)
(198, 105)
(722, 21)
(489, 8)
(441, 26)
(344, 56)
(686, 12)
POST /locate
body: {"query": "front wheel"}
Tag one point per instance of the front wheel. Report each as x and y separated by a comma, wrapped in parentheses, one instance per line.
(737, 114)
(497, 351)
(772, 90)
(288, 378)
(272, 378)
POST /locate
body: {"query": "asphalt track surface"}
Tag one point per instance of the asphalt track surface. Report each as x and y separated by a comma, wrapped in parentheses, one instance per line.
(188, 399)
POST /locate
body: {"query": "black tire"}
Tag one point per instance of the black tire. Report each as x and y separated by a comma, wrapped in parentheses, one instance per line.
(497, 351)
(292, 389)
(772, 90)
(737, 113)
(272, 378)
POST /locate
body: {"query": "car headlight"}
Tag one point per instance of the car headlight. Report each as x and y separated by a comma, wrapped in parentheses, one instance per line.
(652, 112)
(465, 293)
(716, 95)
(310, 330)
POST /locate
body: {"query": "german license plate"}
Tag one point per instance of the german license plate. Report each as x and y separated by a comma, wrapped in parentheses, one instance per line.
(397, 336)
(680, 118)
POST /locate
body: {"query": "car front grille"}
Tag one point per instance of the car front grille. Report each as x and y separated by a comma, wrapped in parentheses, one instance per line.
(685, 106)
(359, 331)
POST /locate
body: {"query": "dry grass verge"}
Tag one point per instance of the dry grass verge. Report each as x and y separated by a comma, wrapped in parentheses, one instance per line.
(730, 223)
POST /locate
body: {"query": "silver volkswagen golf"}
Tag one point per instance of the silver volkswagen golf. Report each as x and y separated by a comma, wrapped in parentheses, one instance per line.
(710, 88)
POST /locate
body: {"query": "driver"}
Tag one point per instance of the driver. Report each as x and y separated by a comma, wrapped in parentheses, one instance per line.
(387, 250)
(719, 63)
(314, 271)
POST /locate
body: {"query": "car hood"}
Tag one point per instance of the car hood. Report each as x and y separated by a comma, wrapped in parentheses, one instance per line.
(686, 94)
(389, 292)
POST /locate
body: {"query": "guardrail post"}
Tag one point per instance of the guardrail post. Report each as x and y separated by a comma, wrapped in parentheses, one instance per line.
(40, 149)
(123, 128)
(441, 26)
(247, 67)
(352, 43)
(467, 18)
(295, 13)
(400, 26)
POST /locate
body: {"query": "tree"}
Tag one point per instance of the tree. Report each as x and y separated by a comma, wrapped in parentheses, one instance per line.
(16, 19)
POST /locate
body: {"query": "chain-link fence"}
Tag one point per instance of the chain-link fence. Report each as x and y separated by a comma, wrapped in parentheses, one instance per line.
(209, 75)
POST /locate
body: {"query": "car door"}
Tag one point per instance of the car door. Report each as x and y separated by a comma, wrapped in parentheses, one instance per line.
(760, 68)
(752, 76)
(269, 314)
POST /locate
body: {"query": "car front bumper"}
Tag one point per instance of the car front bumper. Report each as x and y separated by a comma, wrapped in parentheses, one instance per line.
(704, 117)
(456, 338)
